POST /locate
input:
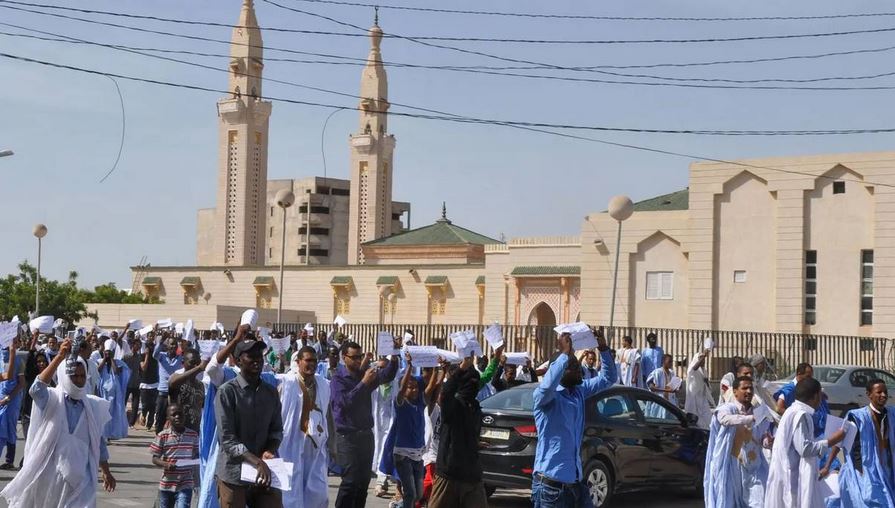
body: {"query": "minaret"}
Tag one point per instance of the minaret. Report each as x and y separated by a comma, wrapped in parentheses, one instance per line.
(239, 219)
(372, 149)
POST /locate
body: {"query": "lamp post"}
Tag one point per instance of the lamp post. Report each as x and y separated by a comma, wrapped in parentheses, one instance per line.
(285, 198)
(620, 208)
(40, 231)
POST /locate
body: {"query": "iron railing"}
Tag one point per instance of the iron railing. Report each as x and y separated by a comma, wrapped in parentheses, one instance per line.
(782, 350)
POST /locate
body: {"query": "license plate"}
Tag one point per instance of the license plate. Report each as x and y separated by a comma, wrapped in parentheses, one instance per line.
(496, 434)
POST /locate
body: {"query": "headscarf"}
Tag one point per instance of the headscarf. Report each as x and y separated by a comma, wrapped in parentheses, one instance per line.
(110, 345)
(68, 386)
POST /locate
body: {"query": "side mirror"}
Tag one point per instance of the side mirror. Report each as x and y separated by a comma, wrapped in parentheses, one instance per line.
(692, 419)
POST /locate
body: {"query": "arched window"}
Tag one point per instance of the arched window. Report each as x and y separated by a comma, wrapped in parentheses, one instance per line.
(236, 93)
(367, 129)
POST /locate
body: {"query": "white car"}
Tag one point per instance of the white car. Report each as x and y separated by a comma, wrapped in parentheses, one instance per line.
(844, 385)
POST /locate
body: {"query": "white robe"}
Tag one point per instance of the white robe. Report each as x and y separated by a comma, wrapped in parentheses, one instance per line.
(628, 360)
(699, 398)
(383, 413)
(307, 452)
(792, 481)
(60, 469)
(661, 380)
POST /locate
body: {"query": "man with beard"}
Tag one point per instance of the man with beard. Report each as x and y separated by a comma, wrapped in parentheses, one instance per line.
(559, 418)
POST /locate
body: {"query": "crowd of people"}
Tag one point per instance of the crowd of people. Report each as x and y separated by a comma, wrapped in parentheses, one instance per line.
(238, 422)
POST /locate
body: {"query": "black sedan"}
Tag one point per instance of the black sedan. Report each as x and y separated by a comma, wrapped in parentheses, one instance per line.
(633, 440)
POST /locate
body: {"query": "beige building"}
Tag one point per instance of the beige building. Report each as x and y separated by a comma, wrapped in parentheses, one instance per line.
(790, 244)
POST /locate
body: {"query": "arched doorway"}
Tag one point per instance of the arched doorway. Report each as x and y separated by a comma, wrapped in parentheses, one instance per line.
(542, 315)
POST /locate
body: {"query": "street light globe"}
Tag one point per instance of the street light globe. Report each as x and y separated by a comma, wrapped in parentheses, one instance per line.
(285, 198)
(620, 208)
(40, 231)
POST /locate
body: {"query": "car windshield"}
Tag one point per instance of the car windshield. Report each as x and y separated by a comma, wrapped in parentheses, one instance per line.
(516, 399)
(828, 374)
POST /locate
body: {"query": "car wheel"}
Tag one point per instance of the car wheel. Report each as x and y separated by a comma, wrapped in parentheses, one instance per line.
(599, 483)
(489, 490)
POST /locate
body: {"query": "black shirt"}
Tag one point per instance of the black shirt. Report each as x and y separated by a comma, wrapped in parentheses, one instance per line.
(458, 448)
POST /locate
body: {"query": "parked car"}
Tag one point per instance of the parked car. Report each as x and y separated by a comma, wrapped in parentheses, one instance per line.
(633, 440)
(844, 385)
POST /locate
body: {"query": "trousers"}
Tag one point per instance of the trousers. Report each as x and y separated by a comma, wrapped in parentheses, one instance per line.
(355, 456)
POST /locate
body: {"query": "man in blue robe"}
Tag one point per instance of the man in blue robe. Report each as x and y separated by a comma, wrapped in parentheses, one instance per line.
(12, 384)
(113, 377)
(650, 357)
(867, 478)
(735, 466)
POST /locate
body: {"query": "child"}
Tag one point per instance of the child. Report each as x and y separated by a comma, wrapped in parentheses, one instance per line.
(410, 436)
(174, 444)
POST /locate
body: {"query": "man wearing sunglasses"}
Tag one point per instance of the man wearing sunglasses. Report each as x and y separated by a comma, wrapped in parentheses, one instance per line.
(352, 407)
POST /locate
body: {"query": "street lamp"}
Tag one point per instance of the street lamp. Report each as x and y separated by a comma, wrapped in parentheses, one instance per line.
(285, 198)
(620, 208)
(40, 231)
(6, 153)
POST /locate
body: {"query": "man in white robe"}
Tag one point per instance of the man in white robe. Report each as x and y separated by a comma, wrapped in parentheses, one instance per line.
(699, 395)
(661, 381)
(628, 358)
(383, 413)
(735, 466)
(305, 398)
(793, 478)
(65, 445)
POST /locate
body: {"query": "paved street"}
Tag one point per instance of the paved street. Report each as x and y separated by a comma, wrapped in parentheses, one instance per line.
(138, 482)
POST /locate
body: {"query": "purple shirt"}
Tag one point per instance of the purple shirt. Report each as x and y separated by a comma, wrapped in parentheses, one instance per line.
(351, 400)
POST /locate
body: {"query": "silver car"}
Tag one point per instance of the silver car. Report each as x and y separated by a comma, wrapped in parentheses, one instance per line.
(845, 385)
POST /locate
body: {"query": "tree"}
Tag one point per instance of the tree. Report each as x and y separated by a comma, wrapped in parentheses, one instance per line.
(60, 299)
(109, 293)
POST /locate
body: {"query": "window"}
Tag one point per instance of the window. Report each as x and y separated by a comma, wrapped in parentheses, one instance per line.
(866, 287)
(314, 252)
(659, 285)
(517, 400)
(739, 276)
(656, 412)
(810, 287)
(314, 231)
(340, 192)
(615, 408)
(838, 187)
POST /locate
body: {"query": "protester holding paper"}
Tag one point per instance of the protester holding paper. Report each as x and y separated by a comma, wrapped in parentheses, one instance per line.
(353, 416)
(868, 476)
(249, 418)
(735, 466)
(663, 381)
(792, 481)
(699, 400)
(559, 417)
(187, 387)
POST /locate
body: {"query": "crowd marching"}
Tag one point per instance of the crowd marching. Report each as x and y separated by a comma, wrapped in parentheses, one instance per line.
(259, 418)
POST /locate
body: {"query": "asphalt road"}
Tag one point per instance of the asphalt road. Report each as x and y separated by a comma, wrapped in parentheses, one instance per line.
(138, 483)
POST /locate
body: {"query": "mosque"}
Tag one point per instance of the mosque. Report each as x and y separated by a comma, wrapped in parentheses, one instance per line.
(790, 244)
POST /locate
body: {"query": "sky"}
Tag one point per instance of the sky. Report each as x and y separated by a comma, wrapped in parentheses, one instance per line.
(65, 126)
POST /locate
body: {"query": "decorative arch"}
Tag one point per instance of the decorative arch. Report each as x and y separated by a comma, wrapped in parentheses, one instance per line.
(534, 294)
(542, 315)
(838, 172)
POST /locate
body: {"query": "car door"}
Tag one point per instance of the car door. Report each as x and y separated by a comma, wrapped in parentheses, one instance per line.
(613, 423)
(665, 434)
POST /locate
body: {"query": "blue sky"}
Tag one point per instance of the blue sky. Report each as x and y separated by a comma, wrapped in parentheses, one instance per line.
(64, 126)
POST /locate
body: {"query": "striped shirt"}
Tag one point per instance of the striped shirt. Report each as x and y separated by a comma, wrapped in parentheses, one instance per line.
(171, 445)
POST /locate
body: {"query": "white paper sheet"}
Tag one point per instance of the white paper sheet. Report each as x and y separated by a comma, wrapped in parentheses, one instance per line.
(279, 346)
(8, 332)
(208, 348)
(450, 356)
(675, 383)
(423, 356)
(249, 317)
(582, 336)
(340, 321)
(187, 462)
(829, 486)
(143, 332)
(835, 423)
(517, 358)
(165, 323)
(134, 324)
(385, 344)
(851, 431)
(461, 338)
(188, 330)
(44, 324)
(264, 332)
(494, 335)
(280, 473)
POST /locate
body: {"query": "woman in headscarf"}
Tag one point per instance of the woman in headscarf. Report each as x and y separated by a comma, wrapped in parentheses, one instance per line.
(65, 445)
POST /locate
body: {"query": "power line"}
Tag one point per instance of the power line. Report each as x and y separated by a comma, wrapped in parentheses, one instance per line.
(362, 62)
(455, 119)
(444, 116)
(557, 67)
(601, 18)
(671, 81)
(746, 38)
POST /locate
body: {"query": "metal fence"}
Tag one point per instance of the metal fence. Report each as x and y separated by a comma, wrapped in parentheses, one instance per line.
(783, 350)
